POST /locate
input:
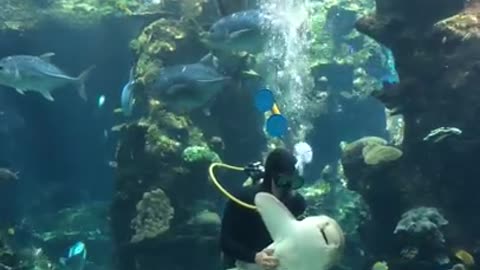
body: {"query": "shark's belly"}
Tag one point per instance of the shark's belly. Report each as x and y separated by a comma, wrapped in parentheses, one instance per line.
(293, 255)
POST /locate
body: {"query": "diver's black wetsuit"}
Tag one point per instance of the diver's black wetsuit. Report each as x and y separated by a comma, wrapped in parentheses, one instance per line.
(243, 233)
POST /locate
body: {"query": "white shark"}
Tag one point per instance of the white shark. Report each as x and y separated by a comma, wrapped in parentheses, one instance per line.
(314, 243)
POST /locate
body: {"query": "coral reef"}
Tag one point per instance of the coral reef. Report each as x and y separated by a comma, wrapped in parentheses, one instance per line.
(8, 259)
(30, 15)
(338, 51)
(200, 153)
(156, 44)
(436, 56)
(84, 222)
(347, 67)
(154, 213)
(167, 153)
(420, 228)
(375, 154)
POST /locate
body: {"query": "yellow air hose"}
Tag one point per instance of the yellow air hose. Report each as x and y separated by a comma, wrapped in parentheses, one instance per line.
(223, 190)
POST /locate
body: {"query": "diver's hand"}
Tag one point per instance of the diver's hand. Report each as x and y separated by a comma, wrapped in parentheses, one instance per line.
(254, 170)
(266, 260)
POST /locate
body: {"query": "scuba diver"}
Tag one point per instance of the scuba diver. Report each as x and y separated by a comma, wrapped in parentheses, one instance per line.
(243, 234)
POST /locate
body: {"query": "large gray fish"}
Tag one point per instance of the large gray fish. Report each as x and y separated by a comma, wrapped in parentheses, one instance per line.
(184, 88)
(238, 32)
(37, 74)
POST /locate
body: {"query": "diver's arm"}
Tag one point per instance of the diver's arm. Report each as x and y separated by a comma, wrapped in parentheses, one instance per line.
(228, 242)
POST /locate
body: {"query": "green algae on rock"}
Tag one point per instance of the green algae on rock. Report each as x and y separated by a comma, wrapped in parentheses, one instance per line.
(198, 153)
(156, 42)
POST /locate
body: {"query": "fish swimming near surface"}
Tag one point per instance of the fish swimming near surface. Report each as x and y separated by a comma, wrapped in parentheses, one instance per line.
(314, 243)
(184, 88)
(76, 257)
(38, 74)
(238, 32)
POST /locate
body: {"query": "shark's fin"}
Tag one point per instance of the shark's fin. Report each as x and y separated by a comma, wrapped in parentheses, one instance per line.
(240, 33)
(210, 60)
(21, 91)
(277, 218)
(47, 56)
(81, 82)
(47, 95)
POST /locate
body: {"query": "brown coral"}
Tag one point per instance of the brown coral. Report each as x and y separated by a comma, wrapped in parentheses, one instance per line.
(374, 154)
(154, 213)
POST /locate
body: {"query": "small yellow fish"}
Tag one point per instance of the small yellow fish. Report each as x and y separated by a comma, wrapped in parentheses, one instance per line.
(466, 258)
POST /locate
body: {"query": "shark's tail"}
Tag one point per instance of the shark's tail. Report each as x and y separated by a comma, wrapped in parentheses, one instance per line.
(80, 81)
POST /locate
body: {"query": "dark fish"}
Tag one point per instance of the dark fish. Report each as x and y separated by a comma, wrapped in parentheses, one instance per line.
(37, 74)
(238, 32)
(184, 88)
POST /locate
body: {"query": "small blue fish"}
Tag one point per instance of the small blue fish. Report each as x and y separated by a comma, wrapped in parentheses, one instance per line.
(127, 98)
(76, 257)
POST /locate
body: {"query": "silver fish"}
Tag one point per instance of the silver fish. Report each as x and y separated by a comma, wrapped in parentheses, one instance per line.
(237, 32)
(38, 74)
(127, 98)
(184, 88)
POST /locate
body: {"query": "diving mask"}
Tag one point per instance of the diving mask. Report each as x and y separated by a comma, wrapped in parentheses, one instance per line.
(293, 181)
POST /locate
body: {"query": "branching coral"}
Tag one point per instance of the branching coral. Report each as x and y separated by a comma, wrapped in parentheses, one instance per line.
(154, 213)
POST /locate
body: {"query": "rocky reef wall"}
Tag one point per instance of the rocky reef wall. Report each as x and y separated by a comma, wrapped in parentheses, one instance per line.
(435, 44)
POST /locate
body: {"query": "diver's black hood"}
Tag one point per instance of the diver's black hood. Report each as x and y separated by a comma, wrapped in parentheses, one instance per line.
(278, 161)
